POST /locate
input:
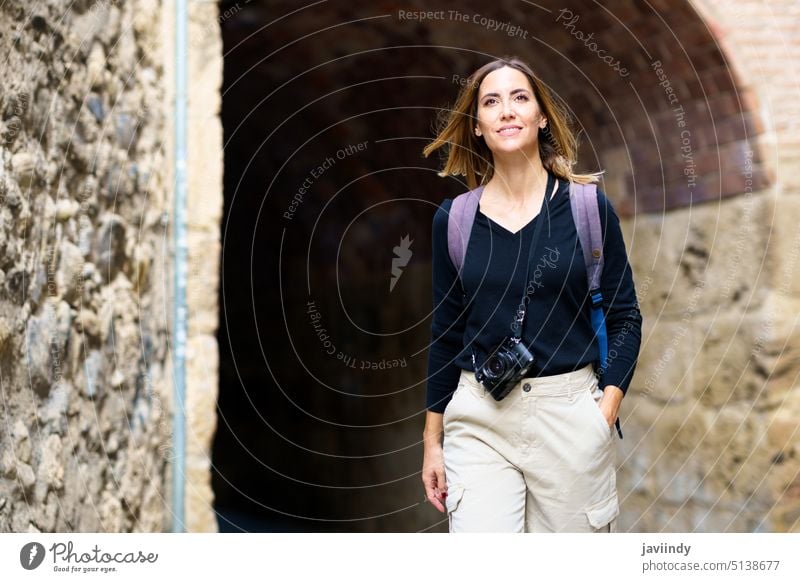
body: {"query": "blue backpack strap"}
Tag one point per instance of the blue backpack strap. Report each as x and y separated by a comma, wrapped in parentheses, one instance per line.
(586, 215)
(459, 225)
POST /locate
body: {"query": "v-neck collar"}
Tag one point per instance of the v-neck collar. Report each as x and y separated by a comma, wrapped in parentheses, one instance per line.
(532, 221)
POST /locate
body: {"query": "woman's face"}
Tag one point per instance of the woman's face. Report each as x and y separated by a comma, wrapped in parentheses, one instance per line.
(509, 117)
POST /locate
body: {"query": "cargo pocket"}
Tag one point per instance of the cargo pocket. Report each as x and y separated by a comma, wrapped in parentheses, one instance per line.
(454, 494)
(602, 514)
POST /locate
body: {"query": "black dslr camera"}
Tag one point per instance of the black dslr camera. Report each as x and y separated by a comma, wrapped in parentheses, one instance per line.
(506, 366)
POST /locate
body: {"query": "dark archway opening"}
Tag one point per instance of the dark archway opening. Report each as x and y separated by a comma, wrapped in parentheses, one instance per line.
(311, 437)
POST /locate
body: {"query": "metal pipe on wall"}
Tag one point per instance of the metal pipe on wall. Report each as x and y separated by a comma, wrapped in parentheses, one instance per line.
(180, 265)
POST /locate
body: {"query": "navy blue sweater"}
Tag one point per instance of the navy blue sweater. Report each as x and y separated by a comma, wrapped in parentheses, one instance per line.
(557, 325)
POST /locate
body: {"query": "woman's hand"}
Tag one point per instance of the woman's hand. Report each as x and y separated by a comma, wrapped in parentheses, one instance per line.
(433, 476)
(609, 403)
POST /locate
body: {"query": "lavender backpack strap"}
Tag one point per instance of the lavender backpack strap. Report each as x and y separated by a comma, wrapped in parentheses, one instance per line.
(585, 213)
(459, 225)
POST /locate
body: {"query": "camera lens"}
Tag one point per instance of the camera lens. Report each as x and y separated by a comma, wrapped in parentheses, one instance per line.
(496, 366)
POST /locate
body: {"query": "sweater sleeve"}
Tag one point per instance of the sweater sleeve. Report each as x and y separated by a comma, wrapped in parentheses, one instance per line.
(623, 318)
(448, 322)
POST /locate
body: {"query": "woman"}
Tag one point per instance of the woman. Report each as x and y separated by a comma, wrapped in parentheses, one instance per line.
(541, 459)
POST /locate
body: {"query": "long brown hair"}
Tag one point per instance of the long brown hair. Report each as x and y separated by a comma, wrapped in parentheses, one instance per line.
(469, 156)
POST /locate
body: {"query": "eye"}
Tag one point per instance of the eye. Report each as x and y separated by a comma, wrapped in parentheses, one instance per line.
(489, 100)
(524, 97)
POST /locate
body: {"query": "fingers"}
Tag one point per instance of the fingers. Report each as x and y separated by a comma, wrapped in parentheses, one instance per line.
(433, 493)
(441, 481)
(433, 498)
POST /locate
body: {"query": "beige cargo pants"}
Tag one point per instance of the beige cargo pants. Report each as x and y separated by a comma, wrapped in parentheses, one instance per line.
(540, 460)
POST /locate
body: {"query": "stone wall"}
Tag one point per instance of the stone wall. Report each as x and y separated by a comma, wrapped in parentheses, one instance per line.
(713, 420)
(204, 217)
(86, 276)
(85, 208)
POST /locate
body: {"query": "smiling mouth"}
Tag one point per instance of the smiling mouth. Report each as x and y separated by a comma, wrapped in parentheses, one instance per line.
(509, 131)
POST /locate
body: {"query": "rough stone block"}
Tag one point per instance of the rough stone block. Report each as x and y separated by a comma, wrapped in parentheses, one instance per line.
(706, 256)
(665, 370)
(726, 367)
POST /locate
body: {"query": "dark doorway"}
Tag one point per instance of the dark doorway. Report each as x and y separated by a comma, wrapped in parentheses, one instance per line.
(323, 356)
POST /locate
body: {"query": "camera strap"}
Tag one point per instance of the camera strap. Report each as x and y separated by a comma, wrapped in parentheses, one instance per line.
(519, 320)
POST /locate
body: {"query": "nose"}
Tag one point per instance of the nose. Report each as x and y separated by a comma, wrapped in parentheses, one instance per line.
(507, 109)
